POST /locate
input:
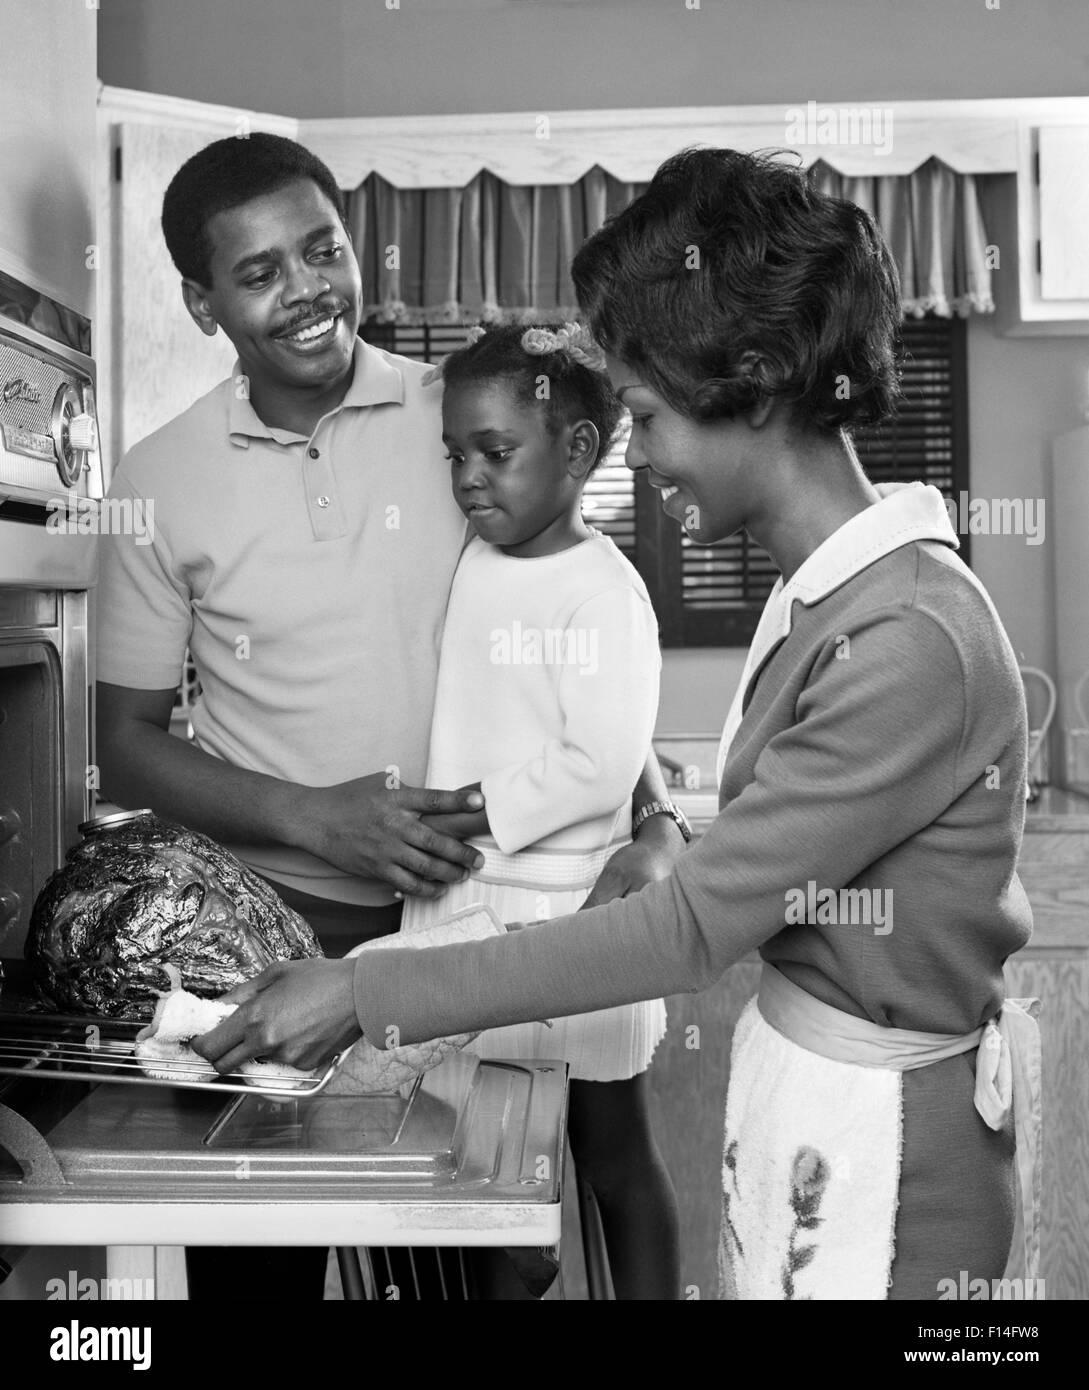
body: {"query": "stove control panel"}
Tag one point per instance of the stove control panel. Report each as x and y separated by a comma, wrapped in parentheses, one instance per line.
(48, 421)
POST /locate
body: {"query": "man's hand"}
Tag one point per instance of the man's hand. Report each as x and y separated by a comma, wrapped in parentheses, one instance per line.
(368, 829)
(362, 826)
(464, 826)
(301, 1012)
(647, 859)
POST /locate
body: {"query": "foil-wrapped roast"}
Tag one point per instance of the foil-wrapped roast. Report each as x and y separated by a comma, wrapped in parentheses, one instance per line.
(140, 894)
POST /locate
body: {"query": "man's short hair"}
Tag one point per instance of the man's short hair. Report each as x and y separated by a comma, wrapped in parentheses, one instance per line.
(732, 279)
(226, 174)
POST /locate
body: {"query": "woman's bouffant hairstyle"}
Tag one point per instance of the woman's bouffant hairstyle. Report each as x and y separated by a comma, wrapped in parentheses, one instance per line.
(732, 279)
(226, 174)
(574, 391)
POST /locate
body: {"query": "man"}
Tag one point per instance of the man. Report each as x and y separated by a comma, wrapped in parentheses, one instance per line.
(305, 540)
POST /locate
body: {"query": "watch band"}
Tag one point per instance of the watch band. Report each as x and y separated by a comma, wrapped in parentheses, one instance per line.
(662, 808)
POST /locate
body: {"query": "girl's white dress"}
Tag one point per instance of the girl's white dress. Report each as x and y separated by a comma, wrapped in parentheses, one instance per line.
(547, 696)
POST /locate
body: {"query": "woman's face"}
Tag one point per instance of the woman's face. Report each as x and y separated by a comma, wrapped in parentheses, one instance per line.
(699, 468)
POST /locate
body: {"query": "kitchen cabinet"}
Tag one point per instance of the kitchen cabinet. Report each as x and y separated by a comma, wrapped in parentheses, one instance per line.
(47, 153)
(690, 1071)
(1043, 280)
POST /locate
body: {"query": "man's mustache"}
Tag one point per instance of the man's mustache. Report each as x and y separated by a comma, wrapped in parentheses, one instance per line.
(326, 311)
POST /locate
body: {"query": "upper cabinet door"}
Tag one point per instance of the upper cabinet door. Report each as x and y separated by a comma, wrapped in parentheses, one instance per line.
(1041, 228)
(48, 239)
(1064, 212)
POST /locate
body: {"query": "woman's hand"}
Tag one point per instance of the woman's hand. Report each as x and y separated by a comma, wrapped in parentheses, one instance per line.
(301, 1012)
(647, 859)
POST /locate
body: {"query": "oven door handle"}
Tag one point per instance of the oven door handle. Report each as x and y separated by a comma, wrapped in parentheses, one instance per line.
(29, 1150)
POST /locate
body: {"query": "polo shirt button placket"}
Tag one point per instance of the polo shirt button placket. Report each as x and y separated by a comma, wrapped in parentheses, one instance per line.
(321, 494)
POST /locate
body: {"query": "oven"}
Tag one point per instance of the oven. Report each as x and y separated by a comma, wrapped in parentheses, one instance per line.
(51, 486)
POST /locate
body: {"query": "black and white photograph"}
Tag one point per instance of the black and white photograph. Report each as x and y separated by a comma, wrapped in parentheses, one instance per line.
(544, 666)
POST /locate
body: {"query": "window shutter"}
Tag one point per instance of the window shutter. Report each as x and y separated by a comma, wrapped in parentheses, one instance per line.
(608, 499)
(425, 342)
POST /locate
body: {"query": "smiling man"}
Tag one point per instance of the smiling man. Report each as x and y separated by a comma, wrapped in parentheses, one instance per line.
(305, 542)
(303, 551)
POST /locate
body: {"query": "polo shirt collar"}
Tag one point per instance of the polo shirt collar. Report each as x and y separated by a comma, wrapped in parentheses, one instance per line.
(375, 381)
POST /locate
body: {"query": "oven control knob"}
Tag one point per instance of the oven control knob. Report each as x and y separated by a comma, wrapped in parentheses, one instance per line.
(67, 408)
(82, 434)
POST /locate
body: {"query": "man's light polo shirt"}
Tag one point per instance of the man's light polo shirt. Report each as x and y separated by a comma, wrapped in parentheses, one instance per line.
(309, 578)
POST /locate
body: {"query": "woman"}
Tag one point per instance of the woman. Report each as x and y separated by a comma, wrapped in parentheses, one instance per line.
(872, 771)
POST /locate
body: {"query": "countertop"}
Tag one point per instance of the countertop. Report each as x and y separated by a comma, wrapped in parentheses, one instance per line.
(1056, 809)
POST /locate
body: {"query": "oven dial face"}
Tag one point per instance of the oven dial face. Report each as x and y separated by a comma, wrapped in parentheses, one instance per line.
(73, 434)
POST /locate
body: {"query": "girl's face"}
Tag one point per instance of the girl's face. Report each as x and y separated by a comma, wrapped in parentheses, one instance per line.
(518, 483)
(699, 468)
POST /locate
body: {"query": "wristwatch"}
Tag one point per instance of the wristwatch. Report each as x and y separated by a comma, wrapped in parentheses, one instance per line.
(662, 808)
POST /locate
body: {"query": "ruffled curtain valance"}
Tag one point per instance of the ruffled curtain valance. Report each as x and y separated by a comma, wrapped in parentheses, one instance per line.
(933, 224)
(490, 251)
(494, 250)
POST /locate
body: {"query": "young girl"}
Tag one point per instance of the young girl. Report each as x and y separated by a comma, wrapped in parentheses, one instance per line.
(546, 700)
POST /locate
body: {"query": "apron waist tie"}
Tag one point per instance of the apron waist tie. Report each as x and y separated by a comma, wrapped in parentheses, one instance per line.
(1008, 1069)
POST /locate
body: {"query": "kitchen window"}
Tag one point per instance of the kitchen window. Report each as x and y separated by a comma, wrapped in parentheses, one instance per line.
(712, 596)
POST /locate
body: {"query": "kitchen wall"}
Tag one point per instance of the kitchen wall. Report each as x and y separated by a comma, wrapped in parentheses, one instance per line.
(1023, 392)
(344, 59)
(47, 133)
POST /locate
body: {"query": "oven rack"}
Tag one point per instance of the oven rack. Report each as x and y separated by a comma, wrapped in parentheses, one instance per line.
(54, 1055)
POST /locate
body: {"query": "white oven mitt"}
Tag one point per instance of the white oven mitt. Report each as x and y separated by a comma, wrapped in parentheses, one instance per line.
(367, 1070)
(180, 1016)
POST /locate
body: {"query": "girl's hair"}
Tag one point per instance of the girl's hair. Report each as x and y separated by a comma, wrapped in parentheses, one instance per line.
(732, 279)
(575, 391)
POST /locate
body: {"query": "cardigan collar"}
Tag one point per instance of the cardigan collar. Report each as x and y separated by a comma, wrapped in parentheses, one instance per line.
(907, 512)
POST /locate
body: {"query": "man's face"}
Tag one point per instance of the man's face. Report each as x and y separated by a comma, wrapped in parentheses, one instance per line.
(285, 288)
